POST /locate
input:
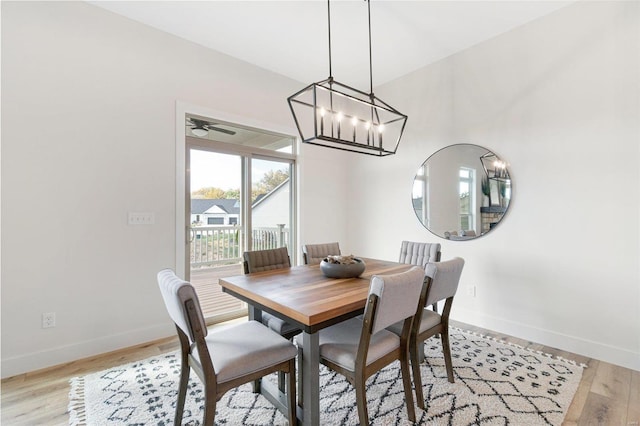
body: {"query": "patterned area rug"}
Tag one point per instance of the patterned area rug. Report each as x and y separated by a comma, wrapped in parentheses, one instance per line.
(495, 384)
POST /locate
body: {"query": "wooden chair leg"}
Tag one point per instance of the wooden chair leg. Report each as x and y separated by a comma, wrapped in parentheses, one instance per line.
(182, 389)
(361, 400)
(291, 393)
(415, 366)
(406, 381)
(435, 309)
(447, 354)
(255, 385)
(209, 407)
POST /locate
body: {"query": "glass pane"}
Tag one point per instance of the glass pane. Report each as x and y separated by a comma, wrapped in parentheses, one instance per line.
(270, 204)
(214, 250)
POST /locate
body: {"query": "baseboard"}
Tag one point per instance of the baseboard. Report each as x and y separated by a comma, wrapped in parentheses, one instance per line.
(67, 353)
(608, 353)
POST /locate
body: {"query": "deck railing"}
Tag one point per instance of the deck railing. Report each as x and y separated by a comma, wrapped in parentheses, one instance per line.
(221, 245)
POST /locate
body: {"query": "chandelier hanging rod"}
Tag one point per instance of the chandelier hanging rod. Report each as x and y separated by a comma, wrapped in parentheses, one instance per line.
(370, 55)
(329, 32)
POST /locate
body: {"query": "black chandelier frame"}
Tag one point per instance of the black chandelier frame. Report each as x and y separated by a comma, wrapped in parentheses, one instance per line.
(374, 120)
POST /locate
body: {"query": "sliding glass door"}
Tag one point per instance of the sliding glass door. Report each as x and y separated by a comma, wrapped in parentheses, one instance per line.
(237, 198)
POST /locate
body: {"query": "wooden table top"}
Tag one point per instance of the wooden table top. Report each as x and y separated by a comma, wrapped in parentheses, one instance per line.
(304, 295)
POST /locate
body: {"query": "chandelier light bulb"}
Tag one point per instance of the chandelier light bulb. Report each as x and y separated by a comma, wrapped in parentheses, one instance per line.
(367, 126)
(322, 113)
(354, 121)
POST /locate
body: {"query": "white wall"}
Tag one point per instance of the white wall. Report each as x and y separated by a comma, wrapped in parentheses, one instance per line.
(89, 134)
(558, 99)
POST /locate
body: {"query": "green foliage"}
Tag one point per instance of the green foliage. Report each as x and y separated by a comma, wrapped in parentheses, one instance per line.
(212, 192)
(269, 182)
(502, 188)
(232, 194)
(486, 187)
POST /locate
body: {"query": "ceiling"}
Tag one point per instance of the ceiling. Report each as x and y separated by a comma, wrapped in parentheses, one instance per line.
(238, 135)
(290, 37)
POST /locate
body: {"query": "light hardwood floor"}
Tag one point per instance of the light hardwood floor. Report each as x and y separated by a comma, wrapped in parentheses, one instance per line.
(608, 395)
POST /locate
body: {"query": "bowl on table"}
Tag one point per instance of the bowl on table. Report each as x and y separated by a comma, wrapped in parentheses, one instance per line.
(342, 270)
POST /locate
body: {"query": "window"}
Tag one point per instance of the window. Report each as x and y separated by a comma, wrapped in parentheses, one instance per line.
(233, 221)
(215, 221)
(467, 199)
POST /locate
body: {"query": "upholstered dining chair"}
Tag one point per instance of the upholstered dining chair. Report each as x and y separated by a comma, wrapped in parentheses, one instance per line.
(226, 358)
(359, 347)
(420, 254)
(441, 284)
(314, 253)
(266, 260)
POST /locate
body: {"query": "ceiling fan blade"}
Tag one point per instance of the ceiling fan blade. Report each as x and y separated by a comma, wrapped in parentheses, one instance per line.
(218, 129)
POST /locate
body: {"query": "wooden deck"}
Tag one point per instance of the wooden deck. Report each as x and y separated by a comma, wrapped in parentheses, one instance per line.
(216, 305)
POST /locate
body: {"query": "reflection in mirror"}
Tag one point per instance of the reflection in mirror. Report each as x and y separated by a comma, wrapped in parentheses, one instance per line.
(461, 192)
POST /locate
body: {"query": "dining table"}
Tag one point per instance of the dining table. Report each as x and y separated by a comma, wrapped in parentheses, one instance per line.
(304, 297)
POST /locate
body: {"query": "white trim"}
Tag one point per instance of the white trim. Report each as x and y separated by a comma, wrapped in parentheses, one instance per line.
(589, 348)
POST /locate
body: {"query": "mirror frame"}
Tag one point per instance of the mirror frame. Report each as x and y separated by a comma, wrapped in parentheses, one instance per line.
(489, 203)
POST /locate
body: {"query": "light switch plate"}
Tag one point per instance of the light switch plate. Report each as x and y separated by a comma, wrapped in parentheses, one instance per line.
(142, 218)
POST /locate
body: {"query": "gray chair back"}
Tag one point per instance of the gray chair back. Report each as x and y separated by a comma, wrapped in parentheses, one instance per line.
(445, 277)
(398, 296)
(266, 260)
(419, 254)
(176, 293)
(314, 253)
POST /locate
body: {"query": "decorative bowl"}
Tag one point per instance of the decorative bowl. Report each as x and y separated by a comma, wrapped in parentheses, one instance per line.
(341, 270)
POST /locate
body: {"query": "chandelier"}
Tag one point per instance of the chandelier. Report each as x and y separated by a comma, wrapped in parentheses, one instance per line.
(334, 115)
(499, 172)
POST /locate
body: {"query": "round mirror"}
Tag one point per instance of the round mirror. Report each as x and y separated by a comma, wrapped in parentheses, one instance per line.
(461, 192)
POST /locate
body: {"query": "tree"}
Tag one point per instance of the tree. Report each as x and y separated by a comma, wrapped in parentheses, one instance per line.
(232, 194)
(209, 192)
(269, 182)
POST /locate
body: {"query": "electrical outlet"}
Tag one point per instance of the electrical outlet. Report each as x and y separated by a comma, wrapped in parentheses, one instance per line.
(142, 218)
(471, 290)
(48, 319)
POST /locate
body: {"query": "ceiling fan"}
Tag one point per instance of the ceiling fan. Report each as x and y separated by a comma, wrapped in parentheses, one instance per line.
(202, 127)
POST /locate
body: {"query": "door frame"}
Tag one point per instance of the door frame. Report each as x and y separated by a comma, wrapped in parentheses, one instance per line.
(182, 109)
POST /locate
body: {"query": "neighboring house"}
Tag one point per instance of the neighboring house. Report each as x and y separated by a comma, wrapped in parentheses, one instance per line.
(272, 209)
(215, 211)
(268, 210)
